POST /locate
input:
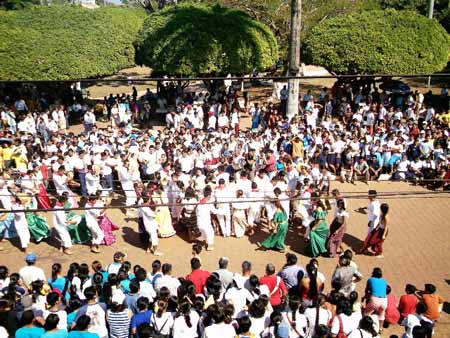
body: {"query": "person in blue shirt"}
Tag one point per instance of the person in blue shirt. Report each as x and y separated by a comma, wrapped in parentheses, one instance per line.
(376, 294)
(81, 329)
(51, 328)
(57, 281)
(143, 316)
(74, 306)
(29, 329)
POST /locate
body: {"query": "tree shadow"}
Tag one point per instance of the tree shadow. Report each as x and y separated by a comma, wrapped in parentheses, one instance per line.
(362, 210)
(446, 308)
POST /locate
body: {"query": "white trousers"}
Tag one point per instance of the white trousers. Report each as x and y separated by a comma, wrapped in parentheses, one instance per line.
(97, 234)
(24, 234)
(152, 230)
(254, 214)
(207, 232)
(63, 233)
(225, 222)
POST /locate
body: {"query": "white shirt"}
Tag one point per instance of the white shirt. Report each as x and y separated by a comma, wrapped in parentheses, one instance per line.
(374, 214)
(60, 182)
(169, 282)
(164, 323)
(221, 330)
(31, 273)
(349, 323)
(410, 322)
(182, 330)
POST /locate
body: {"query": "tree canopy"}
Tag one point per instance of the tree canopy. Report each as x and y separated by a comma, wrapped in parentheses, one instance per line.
(193, 39)
(375, 42)
(70, 42)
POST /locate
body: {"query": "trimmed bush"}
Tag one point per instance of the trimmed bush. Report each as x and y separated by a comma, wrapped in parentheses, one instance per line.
(376, 42)
(67, 42)
(193, 39)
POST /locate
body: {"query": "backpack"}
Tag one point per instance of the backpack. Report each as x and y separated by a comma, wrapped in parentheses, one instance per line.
(428, 327)
(156, 332)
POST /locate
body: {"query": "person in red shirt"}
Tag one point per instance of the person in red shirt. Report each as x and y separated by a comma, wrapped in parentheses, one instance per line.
(198, 276)
(270, 164)
(392, 313)
(408, 302)
(276, 287)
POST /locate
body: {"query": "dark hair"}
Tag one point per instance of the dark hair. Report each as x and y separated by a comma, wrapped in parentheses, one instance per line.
(344, 306)
(184, 310)
(195, 263)
(384, 209)
(421, 307)
(388, 289)
(27, 317)
(223, 263)
(276, 318)
(377, 273)
(52, 298)
(144, 330)
(410, 288)
(97, 280)
(294, 305)
(134, 286)
(244, 324)
(246, 266)
(90, 293)
(166, 268)
(3, 272)
(74, 304)
(312, 274)
(366, 324)
(197, 248)
(51, 322)
(257, 309)
(156, 265)
(142, 303)
(291, 259)
(56, 269)
(141, 274)
(83, 323)
(430, 288)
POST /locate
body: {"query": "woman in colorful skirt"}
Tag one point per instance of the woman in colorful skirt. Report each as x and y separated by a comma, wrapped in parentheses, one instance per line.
(319, 228)
(37, 225)
(7, 228)
(338, 229)
(107, 226)
(163, 217)
(280, 221)
(375, 238)
(77, 227)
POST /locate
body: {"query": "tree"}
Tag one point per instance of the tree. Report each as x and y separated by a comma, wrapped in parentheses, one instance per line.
(376, 42)
(193, 39)
(17, 4)
(70, 42)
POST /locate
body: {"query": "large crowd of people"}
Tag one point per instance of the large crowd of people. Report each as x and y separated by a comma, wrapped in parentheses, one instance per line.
(206, 174)
(121, 300)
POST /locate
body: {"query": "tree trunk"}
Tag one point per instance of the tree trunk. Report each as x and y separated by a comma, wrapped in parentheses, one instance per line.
(294, 59)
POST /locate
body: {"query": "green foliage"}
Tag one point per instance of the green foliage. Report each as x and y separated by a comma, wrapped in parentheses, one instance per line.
(375, 42)
(17, 4)
(70, 42)
(197, 39)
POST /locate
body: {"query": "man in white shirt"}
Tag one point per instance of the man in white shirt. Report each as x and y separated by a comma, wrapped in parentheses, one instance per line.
(224, 194)
(30, 272)
(166, 280)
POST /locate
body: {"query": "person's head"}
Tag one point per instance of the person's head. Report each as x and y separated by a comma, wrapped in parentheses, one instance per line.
(83, 323)
(372, 194)
(270, 269)
(344, 261)
(156, 266)
(90, 293)
(419, 332)
(142, 304)
(377, 273)
(429, 288)
(3, 272)
(244, 324)
(31, 259)
(366, 323)
(348, 254)
(166, 268)
(223, 262)
(410, 289)
(145, 330)
(195, 263)
(421, 308)
(27, 317)
(291, 259)
(56, 270)
(344, 306)
(341, 204)
(196, 249)
(53, 299)
(51, 322)
(119, 257)
(257, 309)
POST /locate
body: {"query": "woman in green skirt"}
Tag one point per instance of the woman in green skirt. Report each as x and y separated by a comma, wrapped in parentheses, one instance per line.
(78, 230)
(37, 225)
(276, 240)
(319, 228)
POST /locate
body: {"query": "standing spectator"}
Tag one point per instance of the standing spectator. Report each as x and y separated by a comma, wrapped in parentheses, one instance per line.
(198, 276)
(292, 273)
(30, 272)
(276, 286)
(376, 295)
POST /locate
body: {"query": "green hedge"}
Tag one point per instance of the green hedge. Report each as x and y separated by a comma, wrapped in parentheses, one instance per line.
(375, 42)
(197, 39)
(67, 42)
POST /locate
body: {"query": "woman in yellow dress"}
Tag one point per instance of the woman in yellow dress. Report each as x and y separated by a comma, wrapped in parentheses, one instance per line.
(163, 216)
